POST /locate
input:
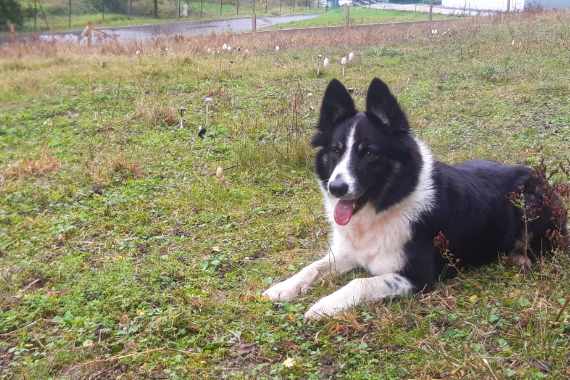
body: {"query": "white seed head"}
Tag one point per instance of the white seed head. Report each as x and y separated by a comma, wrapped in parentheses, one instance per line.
(276, 47)
(326, 62)
(350, 56)
(225, 47)
(343, 61)
(138, 52)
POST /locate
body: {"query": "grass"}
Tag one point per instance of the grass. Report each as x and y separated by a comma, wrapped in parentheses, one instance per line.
(124, 252)
(360, 15)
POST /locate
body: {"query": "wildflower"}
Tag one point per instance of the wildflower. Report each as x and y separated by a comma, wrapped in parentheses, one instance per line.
(276, 47)
(326, 62)
(224, 46)
(289, 363)
(350, 56)
(138, 52)
(343, 61)
(434, 32)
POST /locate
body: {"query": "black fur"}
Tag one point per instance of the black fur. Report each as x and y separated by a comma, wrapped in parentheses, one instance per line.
(474, 208)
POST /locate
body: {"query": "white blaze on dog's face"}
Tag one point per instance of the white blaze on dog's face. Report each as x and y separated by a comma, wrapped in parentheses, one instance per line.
(362, 154)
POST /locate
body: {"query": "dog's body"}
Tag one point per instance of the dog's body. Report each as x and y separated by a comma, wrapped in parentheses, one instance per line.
(387, 200)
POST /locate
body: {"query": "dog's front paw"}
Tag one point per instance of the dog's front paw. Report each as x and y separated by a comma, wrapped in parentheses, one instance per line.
(284, 290)
(325, 307)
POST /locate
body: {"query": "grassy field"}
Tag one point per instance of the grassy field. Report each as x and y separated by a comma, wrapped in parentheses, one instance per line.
(122, 252)
(359, 15)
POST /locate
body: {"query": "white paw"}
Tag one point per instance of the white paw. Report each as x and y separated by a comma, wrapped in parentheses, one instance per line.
(285, 290)
(325, 307)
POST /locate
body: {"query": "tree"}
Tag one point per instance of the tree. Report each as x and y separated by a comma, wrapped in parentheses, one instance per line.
(10, 12)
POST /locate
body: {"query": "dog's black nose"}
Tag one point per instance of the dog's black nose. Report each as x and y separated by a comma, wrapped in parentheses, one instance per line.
(338, 187)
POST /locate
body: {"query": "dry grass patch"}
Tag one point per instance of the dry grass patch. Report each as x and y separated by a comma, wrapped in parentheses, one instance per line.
(45, 164)
(154, 112)
(106, 169)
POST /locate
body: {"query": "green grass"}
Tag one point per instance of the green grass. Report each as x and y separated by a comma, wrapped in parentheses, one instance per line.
(122, 253)
(359, 15)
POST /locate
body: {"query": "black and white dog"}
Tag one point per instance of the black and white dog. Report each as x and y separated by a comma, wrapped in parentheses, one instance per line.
(387, 199)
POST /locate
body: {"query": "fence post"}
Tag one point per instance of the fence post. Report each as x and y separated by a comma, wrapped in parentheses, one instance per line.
(237, 7)
(221, 4)
(201, 8)
(431, 10)
(253, 19)
(69, 16)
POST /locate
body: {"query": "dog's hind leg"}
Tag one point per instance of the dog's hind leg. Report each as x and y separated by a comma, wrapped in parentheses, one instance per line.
(361, 290)
(301, 281)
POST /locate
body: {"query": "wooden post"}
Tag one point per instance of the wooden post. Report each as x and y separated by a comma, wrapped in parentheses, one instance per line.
(253, 19)
(35, 15)
(237, 7)
(130, 8)
(201, 8)
(221, 4)
(69, 16)
(431, 10)
(12, 29)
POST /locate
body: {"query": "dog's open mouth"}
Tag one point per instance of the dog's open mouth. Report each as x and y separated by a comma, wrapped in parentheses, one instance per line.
(345, 209)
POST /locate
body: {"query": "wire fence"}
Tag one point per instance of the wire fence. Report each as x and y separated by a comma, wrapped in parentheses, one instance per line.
(40, 15)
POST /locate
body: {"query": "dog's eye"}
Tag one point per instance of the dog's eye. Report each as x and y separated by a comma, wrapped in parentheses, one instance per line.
(369, 151)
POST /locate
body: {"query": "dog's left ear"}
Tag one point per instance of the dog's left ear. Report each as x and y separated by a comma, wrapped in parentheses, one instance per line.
(381, 104)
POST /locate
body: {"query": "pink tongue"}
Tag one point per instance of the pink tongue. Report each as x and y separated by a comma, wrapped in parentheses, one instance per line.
(343, 212)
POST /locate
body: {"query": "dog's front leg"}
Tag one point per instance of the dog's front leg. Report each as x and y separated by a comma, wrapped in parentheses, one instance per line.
(360, 290)
(301, 281)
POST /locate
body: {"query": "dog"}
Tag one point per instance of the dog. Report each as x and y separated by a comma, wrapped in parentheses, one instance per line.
(406, 218)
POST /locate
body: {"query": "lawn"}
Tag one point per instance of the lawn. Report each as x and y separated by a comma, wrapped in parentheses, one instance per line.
(126, 251)
(360, 15)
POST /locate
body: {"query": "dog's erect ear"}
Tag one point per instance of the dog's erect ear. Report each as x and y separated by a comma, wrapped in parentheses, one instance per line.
(381, 104)
(337, 105)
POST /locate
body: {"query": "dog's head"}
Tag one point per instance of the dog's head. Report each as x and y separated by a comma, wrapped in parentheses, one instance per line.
(366, 156)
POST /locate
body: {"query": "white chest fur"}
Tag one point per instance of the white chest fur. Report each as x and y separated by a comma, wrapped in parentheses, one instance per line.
(375, 241)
